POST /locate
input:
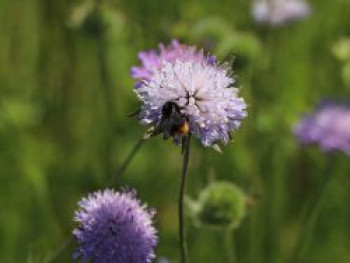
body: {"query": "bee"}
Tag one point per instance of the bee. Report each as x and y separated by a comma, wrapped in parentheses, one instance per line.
(173, 123)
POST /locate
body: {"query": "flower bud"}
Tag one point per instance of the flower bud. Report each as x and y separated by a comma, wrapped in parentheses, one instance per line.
(221, 205)
(341, 49)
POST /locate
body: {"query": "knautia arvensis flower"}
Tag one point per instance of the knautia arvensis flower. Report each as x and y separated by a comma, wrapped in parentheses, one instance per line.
(183, 84)
(328, 126)
(279, 12)
(114, 227)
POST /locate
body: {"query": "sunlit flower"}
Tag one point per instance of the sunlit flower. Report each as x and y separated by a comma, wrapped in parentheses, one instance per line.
(278, 12)
(114, 227)
(328, 126)
(201, 88)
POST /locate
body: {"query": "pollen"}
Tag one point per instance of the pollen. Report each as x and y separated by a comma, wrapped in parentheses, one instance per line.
(184, 128)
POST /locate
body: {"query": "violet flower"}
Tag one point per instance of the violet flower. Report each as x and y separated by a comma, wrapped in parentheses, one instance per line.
(328, 126)
(114, 227)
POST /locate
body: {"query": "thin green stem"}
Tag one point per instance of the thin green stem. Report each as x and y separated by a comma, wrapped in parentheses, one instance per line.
(102, 56)
(185, 161)
(230, 246)
(126, 162)
(310, 215)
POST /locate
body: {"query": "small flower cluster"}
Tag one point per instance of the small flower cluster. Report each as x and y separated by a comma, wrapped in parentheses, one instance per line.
(328, 126)
(200, 87)
(114, 227)
(279, 12)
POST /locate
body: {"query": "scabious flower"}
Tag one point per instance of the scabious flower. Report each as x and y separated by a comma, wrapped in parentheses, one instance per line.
(279, 12)
(114, 227)
(328, 126)
(199, 86)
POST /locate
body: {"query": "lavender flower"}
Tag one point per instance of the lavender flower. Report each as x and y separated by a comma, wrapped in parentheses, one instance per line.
(199, 86)
(278, 12)
(329, 126)
(114, 227)
(152, 60)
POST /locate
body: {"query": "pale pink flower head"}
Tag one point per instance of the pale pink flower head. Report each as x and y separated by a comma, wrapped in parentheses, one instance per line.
(279, 12)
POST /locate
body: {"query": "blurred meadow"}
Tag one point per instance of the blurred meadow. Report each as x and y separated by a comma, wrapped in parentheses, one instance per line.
(65, 97)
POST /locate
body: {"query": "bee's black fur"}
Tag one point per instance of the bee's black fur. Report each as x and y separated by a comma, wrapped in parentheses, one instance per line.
(172, 119)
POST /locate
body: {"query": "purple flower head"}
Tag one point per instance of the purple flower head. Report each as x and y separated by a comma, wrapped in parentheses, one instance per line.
(114, 227)
(279, 12)
(328, 126)
(200, 87)
(152, 60)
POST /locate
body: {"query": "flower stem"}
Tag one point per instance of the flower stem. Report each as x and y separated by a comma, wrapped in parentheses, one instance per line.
(127, 161)
(310, 215)
(185, 161)
(230, 246)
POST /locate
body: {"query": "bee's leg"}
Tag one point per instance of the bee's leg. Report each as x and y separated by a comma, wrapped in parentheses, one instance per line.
(156, 131)
(152, 131)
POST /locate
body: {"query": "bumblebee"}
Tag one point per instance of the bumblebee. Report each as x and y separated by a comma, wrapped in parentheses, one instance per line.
(173, 123)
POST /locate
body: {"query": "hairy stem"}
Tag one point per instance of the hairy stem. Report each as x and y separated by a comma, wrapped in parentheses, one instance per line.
(127, 161)
(185, 161)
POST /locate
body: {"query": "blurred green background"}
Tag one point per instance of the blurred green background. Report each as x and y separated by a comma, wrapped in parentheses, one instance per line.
(66, 91)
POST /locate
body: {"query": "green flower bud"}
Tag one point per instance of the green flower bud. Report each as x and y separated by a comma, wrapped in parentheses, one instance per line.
(90, 18)
(221, 205)
(341, 49)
